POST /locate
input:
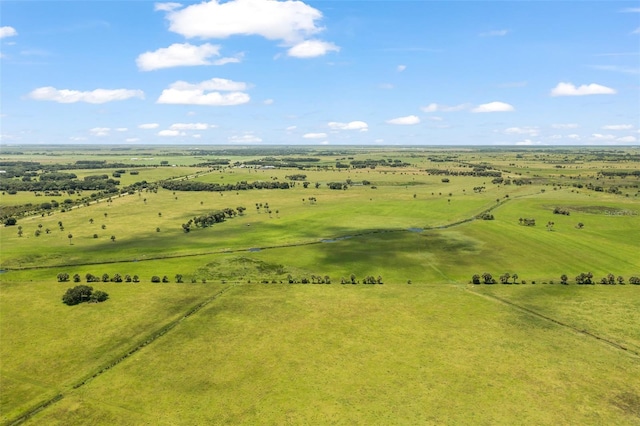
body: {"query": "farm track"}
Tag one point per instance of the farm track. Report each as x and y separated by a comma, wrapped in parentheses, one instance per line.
(601, 339)
(116, 360)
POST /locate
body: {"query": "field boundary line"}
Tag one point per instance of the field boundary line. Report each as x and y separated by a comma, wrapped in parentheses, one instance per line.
(118, 359)
(558, 322)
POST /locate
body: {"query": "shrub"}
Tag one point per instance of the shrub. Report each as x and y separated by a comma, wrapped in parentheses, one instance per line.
(155, 279)
(77, 294)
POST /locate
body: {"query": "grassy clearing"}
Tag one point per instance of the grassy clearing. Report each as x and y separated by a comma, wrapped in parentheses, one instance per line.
(360, 355)
(436, 351)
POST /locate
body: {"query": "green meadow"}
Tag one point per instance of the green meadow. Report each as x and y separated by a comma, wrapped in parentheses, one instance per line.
(274, 321)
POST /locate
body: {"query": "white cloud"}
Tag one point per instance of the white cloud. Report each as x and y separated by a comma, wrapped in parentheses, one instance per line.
(565, 126)
(179, 55)
(197, 136)
(100, 131)
(574, 136)
(527, 142)
(618, 127)
(408, 120)
(434, 118)
(166, 7)
(312, 49)
(627, 139)
(149, 126)
(171, 133)
(616, 68)
(190, 126)
(246, 138)
(569, 89)
(77, 138)
(7, 32)
(290, 128)
(631, 10)
(433, 107)
(314, 135)
(401, 68)
(601, 137)
(495, 33)
(268, 101)
(98, 96)
(120, 129)
(531, 131)
(493, 107)
(184, 93)
(132, 139)
(352, 125)
(289, 21)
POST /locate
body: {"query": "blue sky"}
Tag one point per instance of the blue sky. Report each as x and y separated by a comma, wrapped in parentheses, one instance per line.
(243, 72)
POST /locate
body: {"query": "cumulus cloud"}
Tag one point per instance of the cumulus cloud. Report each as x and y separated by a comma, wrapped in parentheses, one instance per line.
(312, 49)
(246, 138)
(401, 68)
(528, 142)
(205, 93)
(290, 128)
(408, 120)
(627, 139)
(569, 89)
(494, 107)
(171, 133)
(98, 96)
(618, 127)
(268, 101)
(120, 129)
(166, 7)
(601, 137)
(7, 32)
(565, 126)
(531, 131)
(433, 107)
(314, 135)
(181, 55)
(149, 126)
(190, 126)
(574, 136)
(289, 21)
(292, 22)
(494, 33)
(100, 131)
(352, 125)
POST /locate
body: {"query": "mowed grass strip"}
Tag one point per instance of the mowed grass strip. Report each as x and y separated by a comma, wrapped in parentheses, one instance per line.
(361, 355)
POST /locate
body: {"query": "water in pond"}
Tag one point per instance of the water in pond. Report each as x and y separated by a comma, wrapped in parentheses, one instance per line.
(415, 229)
(255, 249)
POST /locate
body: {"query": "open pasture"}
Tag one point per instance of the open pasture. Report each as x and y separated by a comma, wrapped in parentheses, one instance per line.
(237, 343)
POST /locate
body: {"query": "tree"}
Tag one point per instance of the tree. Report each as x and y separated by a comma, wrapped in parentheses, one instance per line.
(77, 294)
(475, 279)
(117, 278)
(563, 279)
(20, 231)
(165, 279)
(63, 277)
(488, 278)
(580, 225)
(353, 279)
(504, 279)
(105, 278)
(113, 238)
(127, 278)
(98, 296)
(620, 279)
(10, 221)
(515, 278)
(104, 226)
(76, 278)
(178, 278)
(69, 237)
(136, 279)
(91, 221)
(155, 279)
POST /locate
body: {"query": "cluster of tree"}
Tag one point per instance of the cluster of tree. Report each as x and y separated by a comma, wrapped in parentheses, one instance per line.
(83, 293)
(561, 210)
(486, 216)
(372, 164)
(54, 182)
(192, 185)
(487, 278)
(337, 185)
(527, 222)
(296, 177)
(288, 162)
(165, 279)
(478, 173)
(610, 279)
(105, 278)
(209, 219)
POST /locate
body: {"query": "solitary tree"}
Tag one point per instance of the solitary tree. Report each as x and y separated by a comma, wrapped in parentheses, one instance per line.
(113, 238)
(69, 237)
(91, 221)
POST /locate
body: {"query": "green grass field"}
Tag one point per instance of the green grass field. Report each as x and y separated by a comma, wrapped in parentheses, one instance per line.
(237, 344)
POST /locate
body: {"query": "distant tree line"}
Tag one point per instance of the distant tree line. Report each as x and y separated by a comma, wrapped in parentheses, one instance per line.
(477, 173)
(584, 278)
(191, 185)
